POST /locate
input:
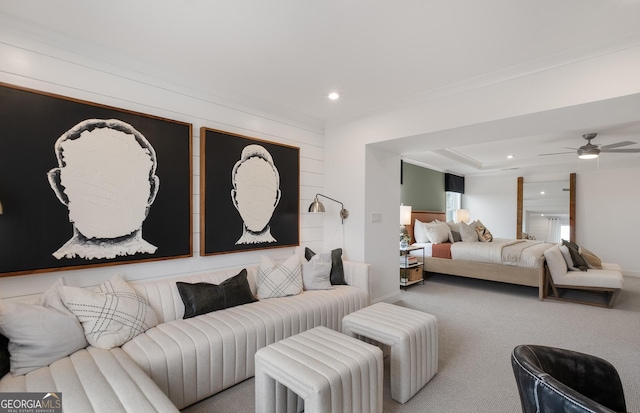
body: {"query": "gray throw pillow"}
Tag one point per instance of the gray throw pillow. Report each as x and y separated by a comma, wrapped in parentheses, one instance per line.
(202, 298)
(337, 268)
(38, 335)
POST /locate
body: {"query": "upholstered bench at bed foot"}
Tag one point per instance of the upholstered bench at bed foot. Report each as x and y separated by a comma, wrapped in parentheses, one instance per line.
(94, 380)
(412, 336)
(330, 371)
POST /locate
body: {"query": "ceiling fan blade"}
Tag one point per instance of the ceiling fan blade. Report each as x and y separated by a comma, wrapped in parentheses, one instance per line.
(620, 150)
(555, 153)
(616, 145)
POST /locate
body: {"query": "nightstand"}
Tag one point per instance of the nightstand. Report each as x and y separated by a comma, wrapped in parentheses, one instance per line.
(411, 272)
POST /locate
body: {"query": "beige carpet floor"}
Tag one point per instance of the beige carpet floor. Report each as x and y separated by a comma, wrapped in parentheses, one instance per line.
(479, 324)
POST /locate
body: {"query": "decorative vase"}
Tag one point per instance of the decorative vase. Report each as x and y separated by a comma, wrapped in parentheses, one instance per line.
(404, 244)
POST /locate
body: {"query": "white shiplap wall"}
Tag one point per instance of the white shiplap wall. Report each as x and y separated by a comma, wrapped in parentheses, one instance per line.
(32, 58)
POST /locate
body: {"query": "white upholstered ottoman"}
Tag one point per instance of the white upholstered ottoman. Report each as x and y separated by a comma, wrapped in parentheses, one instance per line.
(412, 336)
(330, 371)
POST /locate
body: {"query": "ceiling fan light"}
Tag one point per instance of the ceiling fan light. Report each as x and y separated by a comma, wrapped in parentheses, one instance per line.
(588, 152)
(588, 155)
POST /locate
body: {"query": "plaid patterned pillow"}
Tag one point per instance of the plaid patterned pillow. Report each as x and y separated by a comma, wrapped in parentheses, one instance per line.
(111, 315)
(279, 280)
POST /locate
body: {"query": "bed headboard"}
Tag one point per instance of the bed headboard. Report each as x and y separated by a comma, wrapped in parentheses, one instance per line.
(424, 216)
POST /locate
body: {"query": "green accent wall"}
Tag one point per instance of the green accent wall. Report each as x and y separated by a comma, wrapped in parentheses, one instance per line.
(422, 188)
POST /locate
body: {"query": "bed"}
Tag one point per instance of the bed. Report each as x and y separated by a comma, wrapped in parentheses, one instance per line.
(530, 273)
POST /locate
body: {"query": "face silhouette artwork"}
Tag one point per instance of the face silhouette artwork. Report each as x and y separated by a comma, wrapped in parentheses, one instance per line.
(106, 178)
(255, 193)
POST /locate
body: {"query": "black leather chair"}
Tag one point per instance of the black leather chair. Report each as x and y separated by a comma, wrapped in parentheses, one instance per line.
(554, 380)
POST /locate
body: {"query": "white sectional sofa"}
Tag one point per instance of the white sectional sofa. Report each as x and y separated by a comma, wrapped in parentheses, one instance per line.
(182, 361)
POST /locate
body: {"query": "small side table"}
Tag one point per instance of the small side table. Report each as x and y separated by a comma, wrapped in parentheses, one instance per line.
(410, 273)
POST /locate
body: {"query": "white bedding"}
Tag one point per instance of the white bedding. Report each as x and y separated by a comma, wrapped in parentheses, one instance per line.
(518, 252)
(502, 251)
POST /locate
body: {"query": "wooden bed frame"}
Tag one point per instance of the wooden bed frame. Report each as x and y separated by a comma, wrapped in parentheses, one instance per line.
(532, 277)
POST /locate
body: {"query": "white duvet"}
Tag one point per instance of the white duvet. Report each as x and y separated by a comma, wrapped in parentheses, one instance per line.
(518, 252)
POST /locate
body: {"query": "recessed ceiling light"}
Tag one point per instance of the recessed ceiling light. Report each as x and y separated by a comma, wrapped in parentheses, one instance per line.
(509, 156)
(334, 95)
(541, 192)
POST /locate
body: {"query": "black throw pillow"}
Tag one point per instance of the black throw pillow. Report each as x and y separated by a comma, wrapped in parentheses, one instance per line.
(202, 298)
(337, 268)
(574, 250)
(4, 356)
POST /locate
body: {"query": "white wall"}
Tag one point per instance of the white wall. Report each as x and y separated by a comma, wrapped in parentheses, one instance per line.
(493, 201)
(606, 208)
(53, 68)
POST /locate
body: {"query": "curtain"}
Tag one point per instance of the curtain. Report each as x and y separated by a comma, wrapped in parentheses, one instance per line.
(553, 229)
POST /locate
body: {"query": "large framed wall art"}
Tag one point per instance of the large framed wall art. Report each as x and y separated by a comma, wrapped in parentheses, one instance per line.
(84, 184)
(249, 193)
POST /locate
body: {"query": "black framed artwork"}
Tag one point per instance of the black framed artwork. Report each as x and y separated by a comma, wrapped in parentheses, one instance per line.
(84, 184)
(249, 193)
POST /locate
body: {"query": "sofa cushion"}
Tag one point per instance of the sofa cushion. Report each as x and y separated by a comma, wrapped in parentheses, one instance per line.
(556, 263)
(194, 358)
(279, 280)
(94, 380)
(111, 315)
(202, 298)
(38, 335)
(591, 278)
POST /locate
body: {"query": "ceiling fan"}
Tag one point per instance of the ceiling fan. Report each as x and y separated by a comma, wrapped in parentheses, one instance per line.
(591, 151)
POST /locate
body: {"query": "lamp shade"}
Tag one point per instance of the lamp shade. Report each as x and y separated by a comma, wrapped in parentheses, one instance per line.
(405, 214)
(316, 206)
(462, 215)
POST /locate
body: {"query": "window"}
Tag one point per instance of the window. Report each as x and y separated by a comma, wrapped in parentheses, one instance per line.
(454, 202)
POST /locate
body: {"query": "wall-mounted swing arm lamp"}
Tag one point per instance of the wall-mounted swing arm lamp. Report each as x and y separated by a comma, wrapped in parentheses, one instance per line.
(317, 206)
(0, 208)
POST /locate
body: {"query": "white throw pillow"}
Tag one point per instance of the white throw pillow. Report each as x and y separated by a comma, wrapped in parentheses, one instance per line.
(316, 273)
(279, 280)
(112, 314)
(467, 232)
(420, 232)
(438, 232)
(39, 334)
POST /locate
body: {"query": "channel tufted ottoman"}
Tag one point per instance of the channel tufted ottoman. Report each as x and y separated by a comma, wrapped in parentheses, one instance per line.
(330, 371)
(412, 336)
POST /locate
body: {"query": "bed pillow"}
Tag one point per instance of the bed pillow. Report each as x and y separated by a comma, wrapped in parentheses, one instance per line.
(316, 272)
(467, 233)
(555, 261)
(279, 280)
(112, 314)
(455, 232)
(483, 233)
(438, 232)
(38, 335)
(577, 259)
(201, 298)
(420, 232)
(593, 261)
(337, 267)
